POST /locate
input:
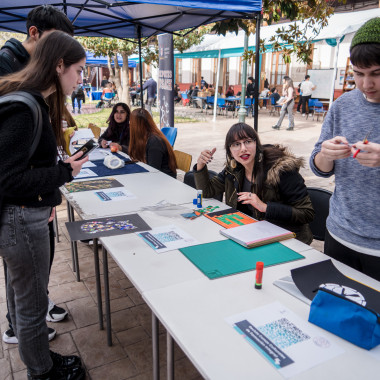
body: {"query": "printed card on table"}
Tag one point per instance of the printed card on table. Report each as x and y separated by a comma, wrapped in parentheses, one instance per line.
(167, 238)
(115, 194)
(289, 343)
(94, 184)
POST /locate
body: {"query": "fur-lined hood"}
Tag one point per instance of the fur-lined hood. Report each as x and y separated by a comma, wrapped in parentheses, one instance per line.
(284, 164)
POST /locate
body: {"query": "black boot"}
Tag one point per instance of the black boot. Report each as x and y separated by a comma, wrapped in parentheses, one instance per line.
(60, 373)
(276, 127)
(65, 361)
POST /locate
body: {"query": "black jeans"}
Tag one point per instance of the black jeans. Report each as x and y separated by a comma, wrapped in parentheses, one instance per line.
(305, 100)
(367, 264)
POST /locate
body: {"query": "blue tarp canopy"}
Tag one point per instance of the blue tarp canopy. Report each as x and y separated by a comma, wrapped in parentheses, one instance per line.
(122, 19)
(102, 60)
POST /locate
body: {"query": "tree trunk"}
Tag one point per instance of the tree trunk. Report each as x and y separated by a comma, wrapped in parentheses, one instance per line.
(125, 79)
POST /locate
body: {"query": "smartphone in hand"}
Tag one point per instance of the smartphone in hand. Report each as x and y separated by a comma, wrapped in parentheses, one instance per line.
(86, 148)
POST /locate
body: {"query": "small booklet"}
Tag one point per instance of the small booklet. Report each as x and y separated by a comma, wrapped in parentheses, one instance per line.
(256, 234)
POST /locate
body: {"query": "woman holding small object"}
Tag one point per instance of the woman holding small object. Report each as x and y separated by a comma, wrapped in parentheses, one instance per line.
(262, 181)
(149, 145)
(29, 183)
(116, 136)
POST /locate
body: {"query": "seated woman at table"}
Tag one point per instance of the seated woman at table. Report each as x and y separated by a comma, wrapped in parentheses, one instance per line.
(118, 129)
(149, 145)
(230, 91)
(262, 181)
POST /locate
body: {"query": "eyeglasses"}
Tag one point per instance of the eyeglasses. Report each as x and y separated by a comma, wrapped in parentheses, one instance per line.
(237, 145)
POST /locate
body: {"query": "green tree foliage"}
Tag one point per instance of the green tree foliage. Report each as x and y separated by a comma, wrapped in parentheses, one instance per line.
(109, 47)
(314, 15)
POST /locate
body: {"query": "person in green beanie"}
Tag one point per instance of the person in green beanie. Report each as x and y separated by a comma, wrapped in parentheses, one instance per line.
(349, 148)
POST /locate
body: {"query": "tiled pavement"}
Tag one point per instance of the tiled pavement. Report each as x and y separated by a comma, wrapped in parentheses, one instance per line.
(130, 356)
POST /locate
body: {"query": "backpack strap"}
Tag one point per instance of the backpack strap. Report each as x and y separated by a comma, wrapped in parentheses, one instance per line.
(32, 103)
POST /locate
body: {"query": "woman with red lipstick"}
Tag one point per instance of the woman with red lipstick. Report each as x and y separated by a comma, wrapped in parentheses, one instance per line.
(262, 181)
(118, 128)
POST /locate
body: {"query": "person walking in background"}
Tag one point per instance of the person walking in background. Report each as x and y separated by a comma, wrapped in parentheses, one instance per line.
(78, 96)
(151, 88)
(14, 56)
(250, 93)
(287, 104)
(307, 89)
(349, 149)
(30, 189)
(300, 98)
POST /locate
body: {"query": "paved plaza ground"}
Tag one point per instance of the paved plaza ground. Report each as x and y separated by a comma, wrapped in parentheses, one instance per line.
(130, 357)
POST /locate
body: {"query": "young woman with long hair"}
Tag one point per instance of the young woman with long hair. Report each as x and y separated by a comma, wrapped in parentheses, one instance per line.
(118, 128)
(29, 191)
(262, 181)
(148, 144)
(287, 104)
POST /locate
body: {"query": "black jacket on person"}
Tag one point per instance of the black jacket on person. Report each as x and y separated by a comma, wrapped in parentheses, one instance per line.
(250, 89)
(78, 94)
(119, 134)
(13, 57)
(34, 182)
(157, 155)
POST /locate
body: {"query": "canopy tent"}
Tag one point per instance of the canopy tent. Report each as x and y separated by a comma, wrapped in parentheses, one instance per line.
(137, 19)
(232, 45)
(121, 19)
(91, 60)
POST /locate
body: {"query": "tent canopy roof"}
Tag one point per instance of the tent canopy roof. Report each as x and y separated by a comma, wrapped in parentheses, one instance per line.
(232, 45)
(112, 18)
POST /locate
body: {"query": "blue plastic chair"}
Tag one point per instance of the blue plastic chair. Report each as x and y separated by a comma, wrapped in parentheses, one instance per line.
(221, 104)
(311, 105)
(170, 133)
(108, 97)
(319, 110)
(274, 107)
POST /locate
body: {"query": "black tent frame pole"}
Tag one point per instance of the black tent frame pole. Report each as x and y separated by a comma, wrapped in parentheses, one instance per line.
(257, 72)
(140, 66)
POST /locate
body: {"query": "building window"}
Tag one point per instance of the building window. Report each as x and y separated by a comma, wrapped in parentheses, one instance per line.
(178, 70)
(278, 69)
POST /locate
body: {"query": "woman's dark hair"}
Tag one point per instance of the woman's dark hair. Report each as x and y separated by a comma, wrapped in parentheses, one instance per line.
(40, 74)
(142, 126)
(265, 155)
(365, 55)
(111, 120)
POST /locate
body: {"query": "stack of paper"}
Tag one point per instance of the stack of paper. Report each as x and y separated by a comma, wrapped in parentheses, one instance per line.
(256, 234)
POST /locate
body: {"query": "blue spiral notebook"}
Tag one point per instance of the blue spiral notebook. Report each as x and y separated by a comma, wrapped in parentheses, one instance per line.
(224, 258)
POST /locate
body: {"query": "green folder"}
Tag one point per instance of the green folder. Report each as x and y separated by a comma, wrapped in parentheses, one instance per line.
(225, 257)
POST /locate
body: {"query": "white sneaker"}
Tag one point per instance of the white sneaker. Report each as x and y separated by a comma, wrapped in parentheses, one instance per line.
(303, 115)
(55, 313)
(10, 337)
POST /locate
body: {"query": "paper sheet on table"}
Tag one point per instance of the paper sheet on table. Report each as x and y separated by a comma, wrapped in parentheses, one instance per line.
(114, 194)
(84, 173)
(88, 164)
(167, 238)
(287, 284)
(289, 343)
(81, 136)
(99, 154)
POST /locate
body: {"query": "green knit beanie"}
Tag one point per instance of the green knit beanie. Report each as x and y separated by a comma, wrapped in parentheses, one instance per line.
(369, 33)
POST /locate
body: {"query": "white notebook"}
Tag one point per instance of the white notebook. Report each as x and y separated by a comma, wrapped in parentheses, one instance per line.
(256, 234)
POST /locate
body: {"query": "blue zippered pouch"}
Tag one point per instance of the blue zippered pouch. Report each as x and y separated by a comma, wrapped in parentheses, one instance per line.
(345, 318)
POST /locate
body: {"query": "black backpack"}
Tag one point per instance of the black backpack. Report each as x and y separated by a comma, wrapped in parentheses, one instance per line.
(32, 103)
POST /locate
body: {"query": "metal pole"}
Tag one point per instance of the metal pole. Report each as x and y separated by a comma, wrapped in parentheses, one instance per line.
(257, 73)
(335, 70)
(216, 87)
(140, 67)
(242, 110)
